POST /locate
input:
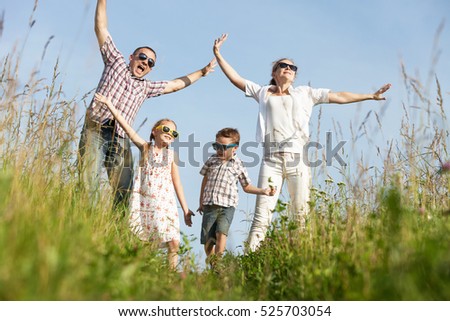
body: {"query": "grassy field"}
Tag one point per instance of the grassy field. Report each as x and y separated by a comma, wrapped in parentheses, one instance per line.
(383, 238)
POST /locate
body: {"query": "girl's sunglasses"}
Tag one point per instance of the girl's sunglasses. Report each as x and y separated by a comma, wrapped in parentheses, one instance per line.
(218, 146)
(166, 129)
(143, 56)
(285, 65)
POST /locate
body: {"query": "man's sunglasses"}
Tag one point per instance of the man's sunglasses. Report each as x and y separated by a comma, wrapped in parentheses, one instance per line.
(285, 65)
(143, 56)
(218, 146)
(166, 129)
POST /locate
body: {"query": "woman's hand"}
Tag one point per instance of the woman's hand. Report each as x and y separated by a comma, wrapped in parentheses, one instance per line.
(378, 95)
(218, 43)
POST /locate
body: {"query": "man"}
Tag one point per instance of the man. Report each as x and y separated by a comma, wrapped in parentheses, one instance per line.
(102, 140)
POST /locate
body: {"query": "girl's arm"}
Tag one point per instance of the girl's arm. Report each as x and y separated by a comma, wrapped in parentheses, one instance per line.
(229, 71)
(180, 194)
(135, 138)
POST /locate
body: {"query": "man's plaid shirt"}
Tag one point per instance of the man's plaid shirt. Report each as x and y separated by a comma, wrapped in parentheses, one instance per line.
(222, 178)
(127, 92)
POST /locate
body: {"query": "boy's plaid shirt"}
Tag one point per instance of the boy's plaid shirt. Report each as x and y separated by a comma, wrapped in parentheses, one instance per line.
(127, 92)
(222, 178)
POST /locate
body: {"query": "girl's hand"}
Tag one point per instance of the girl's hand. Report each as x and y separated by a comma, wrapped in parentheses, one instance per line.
(188, 218)
(101, 98)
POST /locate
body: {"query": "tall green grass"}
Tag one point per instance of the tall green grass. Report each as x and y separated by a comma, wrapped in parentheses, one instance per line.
(382, 237)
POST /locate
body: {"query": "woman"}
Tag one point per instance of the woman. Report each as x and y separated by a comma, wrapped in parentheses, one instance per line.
(283, 128)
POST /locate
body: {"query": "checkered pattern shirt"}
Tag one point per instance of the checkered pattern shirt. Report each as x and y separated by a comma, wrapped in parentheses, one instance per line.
(222, 178)
(127, 92)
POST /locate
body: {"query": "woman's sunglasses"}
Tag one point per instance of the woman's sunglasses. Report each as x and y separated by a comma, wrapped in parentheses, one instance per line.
(143, 56)
(285, 65)
(166, 129)
(218, 146)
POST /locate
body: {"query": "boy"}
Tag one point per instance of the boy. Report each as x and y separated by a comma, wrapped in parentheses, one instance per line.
(219, 193)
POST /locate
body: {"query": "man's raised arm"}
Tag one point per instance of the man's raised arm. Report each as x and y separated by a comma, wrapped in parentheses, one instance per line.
(101, 22)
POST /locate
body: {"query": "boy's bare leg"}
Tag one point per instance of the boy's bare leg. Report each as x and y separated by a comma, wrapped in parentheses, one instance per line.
(221, 242)
(209, 251)
(209, 248)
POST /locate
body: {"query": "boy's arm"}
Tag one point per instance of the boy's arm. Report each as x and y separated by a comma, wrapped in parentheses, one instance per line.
(135, 138)
(202, 190)
(251, 189)
(180, 194)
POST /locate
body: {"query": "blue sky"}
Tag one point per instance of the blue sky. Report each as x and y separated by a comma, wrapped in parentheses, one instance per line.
(352, 45)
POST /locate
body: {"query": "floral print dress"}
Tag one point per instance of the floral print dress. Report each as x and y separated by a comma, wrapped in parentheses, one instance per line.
(154, 214)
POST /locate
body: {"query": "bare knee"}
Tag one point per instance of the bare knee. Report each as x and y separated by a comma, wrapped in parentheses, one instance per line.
(221, 241)
(174, 246)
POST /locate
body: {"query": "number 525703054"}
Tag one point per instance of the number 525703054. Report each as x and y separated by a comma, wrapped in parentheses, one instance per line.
(294, 310)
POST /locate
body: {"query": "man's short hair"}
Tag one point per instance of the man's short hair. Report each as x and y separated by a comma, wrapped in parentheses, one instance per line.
(144, 47)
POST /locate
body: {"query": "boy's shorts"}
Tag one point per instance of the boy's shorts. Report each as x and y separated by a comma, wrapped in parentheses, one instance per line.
(215, 219)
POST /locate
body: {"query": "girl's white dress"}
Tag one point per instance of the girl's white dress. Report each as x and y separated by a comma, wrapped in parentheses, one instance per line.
(154, 214)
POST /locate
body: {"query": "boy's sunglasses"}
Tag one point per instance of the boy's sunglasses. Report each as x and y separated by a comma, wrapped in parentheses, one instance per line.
(166, 129)
(218, 146)
(285, 65)
(143, 56)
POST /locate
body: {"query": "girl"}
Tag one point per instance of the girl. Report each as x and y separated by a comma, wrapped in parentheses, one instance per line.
(154, 215)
